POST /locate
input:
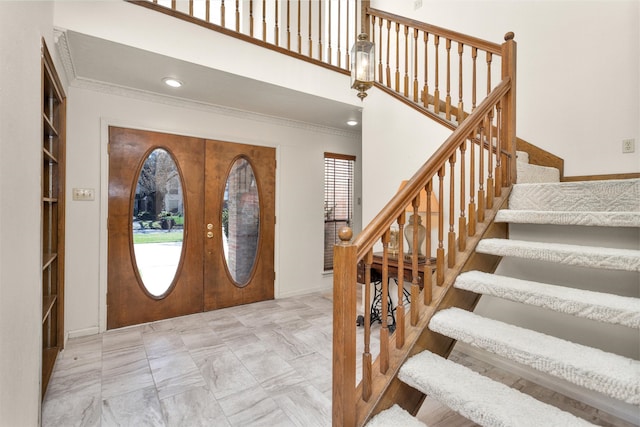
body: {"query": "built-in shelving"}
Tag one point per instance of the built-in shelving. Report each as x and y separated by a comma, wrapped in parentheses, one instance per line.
(53, 155)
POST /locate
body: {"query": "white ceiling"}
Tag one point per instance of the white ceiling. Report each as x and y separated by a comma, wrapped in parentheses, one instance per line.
(98, 60)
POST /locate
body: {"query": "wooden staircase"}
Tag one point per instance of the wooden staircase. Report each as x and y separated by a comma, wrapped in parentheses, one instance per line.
(488, 403)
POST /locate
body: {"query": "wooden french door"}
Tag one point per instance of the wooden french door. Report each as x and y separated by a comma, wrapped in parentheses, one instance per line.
(219, 195)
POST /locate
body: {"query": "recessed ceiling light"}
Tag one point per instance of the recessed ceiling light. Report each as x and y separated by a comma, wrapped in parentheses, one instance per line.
(170, 81)
(352, 122)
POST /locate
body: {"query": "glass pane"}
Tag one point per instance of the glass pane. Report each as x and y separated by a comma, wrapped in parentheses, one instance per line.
(241, 221)
(158, 222)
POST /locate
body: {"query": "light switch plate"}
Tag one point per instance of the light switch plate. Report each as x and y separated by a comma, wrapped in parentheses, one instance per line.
(83, 194)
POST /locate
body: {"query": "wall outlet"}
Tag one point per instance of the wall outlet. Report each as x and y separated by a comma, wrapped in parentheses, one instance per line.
(83, 194)
(417, 4)
(628, 145)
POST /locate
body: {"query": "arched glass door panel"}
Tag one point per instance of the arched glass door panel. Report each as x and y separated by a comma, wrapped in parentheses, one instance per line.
(241, 221)
(158, 222)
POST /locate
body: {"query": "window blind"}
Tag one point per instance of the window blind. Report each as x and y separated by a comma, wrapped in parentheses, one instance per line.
(338, 200)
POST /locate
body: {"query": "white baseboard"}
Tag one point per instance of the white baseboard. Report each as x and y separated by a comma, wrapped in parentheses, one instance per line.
(304, 292)
(83, 332)
(599, 401)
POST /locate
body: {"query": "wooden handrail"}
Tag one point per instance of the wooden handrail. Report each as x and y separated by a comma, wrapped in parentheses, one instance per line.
(442, 32)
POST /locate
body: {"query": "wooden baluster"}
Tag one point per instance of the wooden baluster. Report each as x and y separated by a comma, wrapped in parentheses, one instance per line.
(448, 97)
(173, 4)
(384, 331)
(451, 248)
(222, 13)
(207, 10)
(310, 31)
(406, 60)
(339, 53)
(190, 7)
(436, 91)
(440, 251)
(373, 35)
(425, 89)
(428, 271)
(251, 18)
(320, 29)
(346, 32)
(489, 59)
(490, 185)
(276, 31)
(388, 49)
(474, 57)
(462, 221)
(481, 196)
(461, 114)
(344, 332)
(264, 20)
(237, 16)
(288, 24)
(366, 355)
(400, 309)
(380, 78)
(415, 280)
(472, 185)
(397, 57)
(415, 65)
(498, 174)
(299, 28)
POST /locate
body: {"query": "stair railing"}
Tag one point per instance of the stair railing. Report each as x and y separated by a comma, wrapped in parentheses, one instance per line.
(317, 31)
(480, 157)
(443, 71)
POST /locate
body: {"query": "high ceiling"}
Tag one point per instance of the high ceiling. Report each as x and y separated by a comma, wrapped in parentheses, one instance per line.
(102, 61)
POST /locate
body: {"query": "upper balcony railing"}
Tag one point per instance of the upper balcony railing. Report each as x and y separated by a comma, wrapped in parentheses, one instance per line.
(318, 31)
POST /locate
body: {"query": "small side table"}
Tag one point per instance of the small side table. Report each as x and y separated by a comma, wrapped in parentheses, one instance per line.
(376, 280)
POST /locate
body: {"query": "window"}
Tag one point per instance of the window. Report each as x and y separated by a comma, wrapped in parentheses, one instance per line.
(338, 200)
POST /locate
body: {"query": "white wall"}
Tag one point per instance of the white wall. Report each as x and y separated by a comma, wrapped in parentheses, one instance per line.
(22, 25)
(299, 188)
(397, 140)
(578, 71)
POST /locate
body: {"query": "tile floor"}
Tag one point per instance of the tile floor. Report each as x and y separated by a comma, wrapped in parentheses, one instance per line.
(264, 364)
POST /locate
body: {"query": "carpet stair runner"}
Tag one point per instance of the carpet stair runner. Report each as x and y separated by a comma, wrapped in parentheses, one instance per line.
(527, 172)
(598, 306)
(489, 403)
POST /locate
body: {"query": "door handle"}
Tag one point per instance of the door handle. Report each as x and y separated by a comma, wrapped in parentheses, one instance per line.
(210, 234)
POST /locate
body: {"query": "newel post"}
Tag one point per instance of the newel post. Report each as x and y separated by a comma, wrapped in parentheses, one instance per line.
(344, 331)
(509, 48)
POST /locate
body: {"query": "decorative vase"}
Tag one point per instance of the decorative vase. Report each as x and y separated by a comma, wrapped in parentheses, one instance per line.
(408, 234)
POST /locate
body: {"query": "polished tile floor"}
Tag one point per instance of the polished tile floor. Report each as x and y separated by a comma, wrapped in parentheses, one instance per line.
(264, 364)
